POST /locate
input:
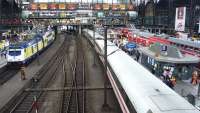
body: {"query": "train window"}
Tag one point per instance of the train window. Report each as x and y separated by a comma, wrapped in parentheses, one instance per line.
(25, 50)
(14, 53)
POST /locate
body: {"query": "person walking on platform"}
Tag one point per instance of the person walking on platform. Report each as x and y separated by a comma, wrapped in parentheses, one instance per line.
(23, 74)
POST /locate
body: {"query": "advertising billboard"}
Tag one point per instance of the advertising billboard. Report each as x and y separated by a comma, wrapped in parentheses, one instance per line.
(114, 6)
(131, 7)
(122, 6)
(71, 6)
(180, 19)
(97, 7)
(34, 6)
(61, 6)
(106, 7)
(52, 6)
(43, 6)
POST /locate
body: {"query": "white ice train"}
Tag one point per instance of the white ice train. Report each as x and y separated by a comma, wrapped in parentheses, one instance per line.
(137, 90)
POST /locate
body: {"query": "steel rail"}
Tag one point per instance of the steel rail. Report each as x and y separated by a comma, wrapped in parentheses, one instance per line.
(41, 75)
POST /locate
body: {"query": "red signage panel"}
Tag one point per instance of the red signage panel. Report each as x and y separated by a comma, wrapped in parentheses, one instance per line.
(52, 6)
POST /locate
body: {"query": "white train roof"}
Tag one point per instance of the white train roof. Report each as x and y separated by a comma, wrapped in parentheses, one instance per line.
(145, 91)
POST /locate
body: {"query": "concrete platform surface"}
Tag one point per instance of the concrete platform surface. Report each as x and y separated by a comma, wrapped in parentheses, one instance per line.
(15, 84)
(95, 78)
(3, 61)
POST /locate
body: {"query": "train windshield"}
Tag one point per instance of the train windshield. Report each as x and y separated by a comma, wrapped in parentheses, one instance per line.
(14, 53)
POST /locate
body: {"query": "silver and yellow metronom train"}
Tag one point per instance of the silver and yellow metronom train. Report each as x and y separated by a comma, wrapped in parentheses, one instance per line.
(22, 52)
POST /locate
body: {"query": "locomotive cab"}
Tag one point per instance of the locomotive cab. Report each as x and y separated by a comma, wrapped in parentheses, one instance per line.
(15, 55)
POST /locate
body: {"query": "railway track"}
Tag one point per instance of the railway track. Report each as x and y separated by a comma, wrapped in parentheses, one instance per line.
(6, 74)
(24, 102)
(74, 101)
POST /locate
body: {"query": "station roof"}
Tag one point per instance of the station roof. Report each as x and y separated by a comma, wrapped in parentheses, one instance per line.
(172, 55)
(185, 42)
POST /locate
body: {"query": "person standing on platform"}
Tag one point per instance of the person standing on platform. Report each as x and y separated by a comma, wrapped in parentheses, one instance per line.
(194, 80)
(137, 54)
(23, 74)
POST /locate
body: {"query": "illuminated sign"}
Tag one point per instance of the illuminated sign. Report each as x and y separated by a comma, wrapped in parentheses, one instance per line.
(34, 6)
(97, 6)
(114, 7)
(122, 6)
(83, 6)
(100, 14)
(52, 6)
(71, 6)
(61, 6)
(62, 14)
(131, 7)
(106, 7)
(180, 19)
(43, 6)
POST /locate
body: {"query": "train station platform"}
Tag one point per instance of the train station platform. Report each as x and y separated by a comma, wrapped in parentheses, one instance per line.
(15, 85)
(185, 88)
(3, 61)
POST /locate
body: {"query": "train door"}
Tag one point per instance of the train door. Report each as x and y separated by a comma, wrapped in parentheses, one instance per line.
(42, 42)
(32, 49)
